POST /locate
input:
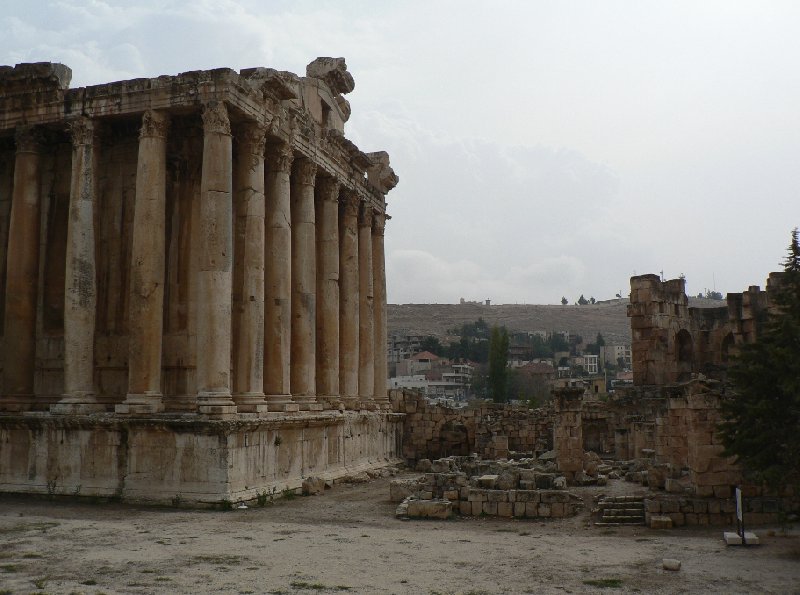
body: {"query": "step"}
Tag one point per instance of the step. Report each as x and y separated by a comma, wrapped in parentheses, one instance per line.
(622, 513)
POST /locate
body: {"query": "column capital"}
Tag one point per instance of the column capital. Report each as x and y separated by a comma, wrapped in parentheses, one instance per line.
(328, 188)
(28, 139)
(81, 130)
(305, 171)
(215, 118)
(350, 202)
(251, 138)
(154, 124)
(378, 222)
(365, 215)
(279, 157)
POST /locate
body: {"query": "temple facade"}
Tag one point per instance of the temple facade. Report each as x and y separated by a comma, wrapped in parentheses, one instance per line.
(191, 273)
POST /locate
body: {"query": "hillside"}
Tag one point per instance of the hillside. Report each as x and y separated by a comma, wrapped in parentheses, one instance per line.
(609, 318)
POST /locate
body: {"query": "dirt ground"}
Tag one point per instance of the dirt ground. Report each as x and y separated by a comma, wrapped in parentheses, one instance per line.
(347, 540)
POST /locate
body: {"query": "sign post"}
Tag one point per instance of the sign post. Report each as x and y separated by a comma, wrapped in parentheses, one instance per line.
(740, 515)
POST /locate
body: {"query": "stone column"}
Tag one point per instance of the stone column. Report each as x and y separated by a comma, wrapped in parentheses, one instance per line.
(366, 326)
(22, 274)
(304, 278)
(379, 306)
(328, 287)
(80, 294)
(277, 279)
(215, 266)
(146, 313)
(248, 356)
(348, 298)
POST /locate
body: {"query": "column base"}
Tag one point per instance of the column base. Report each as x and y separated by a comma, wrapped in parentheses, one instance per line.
(332, 403)
(140, 404)
(308, 403)
(216, 405)
(368, 403)
(250, 403)
(82, 403)
(351, 403)
(281, 404)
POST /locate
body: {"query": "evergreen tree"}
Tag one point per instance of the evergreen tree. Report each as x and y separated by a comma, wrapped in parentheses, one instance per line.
(762, 426)
(498, 361)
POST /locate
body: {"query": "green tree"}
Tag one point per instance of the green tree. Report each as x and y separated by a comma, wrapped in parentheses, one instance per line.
(564, 301)
(432, 344)
(763, 414)
(498, 362)
(582, 301)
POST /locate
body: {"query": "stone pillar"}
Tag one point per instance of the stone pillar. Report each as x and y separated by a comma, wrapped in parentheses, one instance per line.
(366, 326)
(146, 313)
(277, 279)
(215, 266)
(22, 275)
(328, 287)
(379, 306)
(348, 298)
(304, 278)
(80, 294)
(248, 356)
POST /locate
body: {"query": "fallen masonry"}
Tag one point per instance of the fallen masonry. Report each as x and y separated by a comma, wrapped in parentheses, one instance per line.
(474, 487)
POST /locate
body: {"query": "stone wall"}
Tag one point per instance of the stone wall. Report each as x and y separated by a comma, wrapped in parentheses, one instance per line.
(671, 341)
(491, 430)
(189, 462)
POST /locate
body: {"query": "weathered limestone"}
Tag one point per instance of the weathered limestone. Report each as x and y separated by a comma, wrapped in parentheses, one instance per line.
(169, 273)
(304, 279)
(278, 278)
(327, 329)
(379, 309)
(22, 273)
(80, 300)
(147, 269)
(215, 266)
(366, 321)
(249, 252)
(348, 300)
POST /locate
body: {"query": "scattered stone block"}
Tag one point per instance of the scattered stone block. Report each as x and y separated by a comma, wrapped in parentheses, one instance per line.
(671, 564)
(440, 466)
(560, 483)
(400, 489)
(424, 466)
(487, 481)
(430, 509)
(313, 485)
(732, 538)
(660, 521)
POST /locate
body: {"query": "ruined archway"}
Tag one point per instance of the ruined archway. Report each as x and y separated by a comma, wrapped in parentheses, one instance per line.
(684, 355)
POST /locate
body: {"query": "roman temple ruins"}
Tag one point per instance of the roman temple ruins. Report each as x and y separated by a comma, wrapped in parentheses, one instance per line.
(193, 287)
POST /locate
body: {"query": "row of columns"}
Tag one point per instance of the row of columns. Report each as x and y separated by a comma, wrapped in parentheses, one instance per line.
(308, 326)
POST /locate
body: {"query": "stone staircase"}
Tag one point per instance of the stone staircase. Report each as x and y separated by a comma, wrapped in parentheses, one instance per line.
(621, 510)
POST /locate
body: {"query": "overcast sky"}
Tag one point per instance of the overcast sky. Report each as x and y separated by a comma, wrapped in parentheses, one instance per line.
(543, 148)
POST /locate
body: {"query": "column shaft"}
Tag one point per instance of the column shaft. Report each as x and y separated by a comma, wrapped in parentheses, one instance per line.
(366, 327)
(22, 275)
(80, 295)
(327, 287)
(348, 299)
(215, 266)
(248, 356)
(379, 305)
(304, 278)
(146, 314)
(277, 279)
